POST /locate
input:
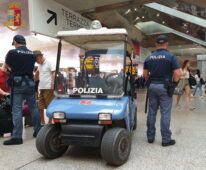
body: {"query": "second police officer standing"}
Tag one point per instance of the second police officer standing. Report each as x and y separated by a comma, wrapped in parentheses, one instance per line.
(20, 61)
(162, 71)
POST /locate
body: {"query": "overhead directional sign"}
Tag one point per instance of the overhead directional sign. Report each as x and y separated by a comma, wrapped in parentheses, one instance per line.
(47, 17)
(53, 16)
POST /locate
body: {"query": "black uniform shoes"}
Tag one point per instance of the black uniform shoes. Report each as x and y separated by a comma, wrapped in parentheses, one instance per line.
(13, 141)
(35, 134)
(171, 142)
(150, 140)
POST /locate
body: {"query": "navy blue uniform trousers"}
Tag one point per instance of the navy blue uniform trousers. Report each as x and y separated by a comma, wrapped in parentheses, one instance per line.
(159, 99)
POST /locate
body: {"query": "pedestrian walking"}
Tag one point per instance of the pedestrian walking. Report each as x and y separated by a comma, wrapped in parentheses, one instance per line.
(184, 79)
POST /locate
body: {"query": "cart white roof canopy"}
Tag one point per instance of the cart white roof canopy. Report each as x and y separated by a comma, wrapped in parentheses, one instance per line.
(83, 36)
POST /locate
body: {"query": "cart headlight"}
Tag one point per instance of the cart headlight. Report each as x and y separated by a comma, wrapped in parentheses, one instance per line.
(58, 115)
(105, 116)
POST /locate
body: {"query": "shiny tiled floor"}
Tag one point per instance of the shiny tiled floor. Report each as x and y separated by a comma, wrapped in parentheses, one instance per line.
(189, 153)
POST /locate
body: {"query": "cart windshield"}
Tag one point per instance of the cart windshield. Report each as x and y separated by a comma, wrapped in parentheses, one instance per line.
(96, 71)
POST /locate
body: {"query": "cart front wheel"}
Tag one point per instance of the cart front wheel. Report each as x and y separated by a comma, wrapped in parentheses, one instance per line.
(48, 142)
(116, 146)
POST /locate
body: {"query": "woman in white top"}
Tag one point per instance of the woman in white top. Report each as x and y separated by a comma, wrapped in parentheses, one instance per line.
(184, 81)
(198, 84)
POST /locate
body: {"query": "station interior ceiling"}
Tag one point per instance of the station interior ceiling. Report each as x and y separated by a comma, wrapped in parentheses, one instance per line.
(183, 21)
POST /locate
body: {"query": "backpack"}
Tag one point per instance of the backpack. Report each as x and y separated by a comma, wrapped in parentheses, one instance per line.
(202, 81)
(192, 80)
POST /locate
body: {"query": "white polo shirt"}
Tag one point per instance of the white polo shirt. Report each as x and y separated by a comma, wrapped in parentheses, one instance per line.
(45, 75)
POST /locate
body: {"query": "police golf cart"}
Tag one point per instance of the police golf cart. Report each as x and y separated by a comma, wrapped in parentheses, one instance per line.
(94, 103)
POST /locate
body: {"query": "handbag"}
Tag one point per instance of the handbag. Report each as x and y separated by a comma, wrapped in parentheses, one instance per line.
(202, 82)
(25, 109)
(178, 90)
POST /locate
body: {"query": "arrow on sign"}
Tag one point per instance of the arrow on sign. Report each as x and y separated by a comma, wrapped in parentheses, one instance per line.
(53, 16)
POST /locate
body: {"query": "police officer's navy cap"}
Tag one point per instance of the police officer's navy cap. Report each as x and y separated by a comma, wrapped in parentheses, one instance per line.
(37, 52)
(161, 39)
(19, 39)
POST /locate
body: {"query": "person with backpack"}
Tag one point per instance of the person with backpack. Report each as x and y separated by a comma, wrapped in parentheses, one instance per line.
(200, 82)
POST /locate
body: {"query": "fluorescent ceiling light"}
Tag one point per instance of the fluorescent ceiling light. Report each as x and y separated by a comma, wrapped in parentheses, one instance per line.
(178, 14)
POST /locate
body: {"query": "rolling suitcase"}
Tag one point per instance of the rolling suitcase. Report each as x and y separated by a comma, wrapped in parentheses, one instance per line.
(6, 124)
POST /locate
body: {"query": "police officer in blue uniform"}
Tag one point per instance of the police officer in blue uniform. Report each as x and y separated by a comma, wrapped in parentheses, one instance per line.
(20, 61)
(162, 72)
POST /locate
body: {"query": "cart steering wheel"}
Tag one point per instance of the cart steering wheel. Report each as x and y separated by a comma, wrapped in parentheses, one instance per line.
(112, 82)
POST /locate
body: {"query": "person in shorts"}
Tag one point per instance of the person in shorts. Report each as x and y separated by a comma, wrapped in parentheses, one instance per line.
(46, 82)
(184, 80)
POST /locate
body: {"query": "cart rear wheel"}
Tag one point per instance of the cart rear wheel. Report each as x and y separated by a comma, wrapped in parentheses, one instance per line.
(116, 146)
(48, 142)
